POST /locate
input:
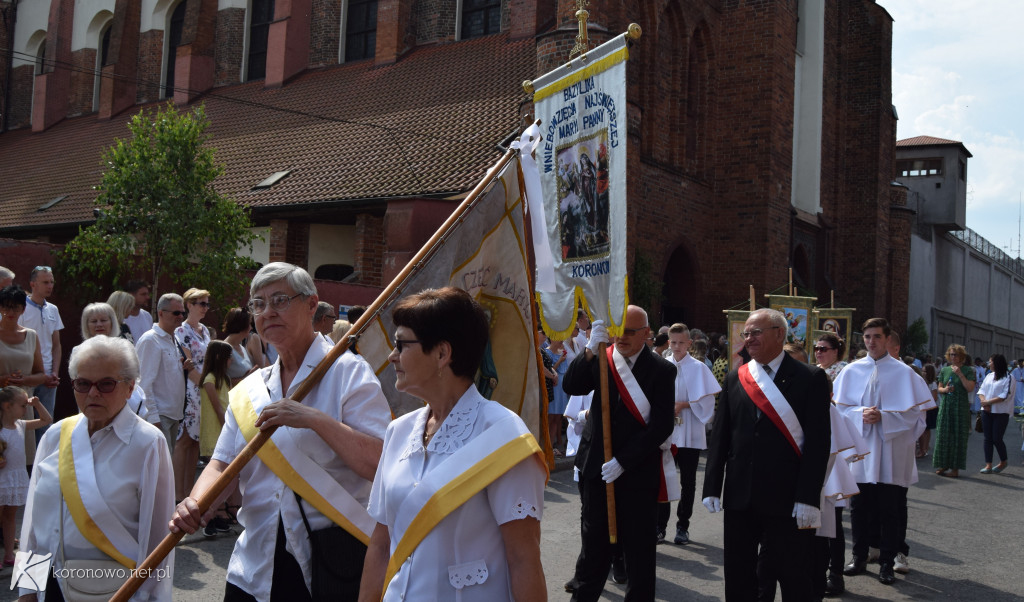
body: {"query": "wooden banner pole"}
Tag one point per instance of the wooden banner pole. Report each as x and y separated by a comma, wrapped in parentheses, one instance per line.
(209, 496)
(606, 432)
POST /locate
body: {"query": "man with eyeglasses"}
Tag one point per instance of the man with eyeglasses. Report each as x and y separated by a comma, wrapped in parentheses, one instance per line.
(164, 366)
(44, 318)
(640, 401)
(323, 320)
(770, 445)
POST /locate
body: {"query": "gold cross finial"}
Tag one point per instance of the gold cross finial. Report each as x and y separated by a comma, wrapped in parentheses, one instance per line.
(581, 46)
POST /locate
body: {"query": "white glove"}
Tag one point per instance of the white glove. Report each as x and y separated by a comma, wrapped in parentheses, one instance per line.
(582, 417)
(598, 335)
(807, 517)
(611, 470)
(713, 504)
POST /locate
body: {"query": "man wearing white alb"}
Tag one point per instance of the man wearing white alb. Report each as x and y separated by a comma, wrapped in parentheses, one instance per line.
(882, 397)
(696, 387)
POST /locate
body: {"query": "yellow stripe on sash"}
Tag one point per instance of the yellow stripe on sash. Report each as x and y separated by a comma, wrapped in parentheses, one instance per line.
(73, 498)
(245, 415)
(456, 492)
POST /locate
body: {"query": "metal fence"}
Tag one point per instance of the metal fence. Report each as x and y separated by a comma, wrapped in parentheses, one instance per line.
(980, 244)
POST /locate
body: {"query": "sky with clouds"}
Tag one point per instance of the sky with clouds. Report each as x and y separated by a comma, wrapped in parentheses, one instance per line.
(956, 74)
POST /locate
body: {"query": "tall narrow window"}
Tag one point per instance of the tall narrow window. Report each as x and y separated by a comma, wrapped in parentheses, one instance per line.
(102, 54)
(360, 29)
(480, 18)
(174, 28)
(259, 30)
(40, 59)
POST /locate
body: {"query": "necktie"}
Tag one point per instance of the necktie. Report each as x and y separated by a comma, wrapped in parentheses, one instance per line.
(768, 371)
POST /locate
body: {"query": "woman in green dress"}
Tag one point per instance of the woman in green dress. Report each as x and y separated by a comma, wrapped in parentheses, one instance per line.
(956, 381)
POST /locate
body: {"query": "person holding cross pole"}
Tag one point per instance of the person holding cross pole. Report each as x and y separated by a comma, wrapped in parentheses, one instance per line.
(641, 396)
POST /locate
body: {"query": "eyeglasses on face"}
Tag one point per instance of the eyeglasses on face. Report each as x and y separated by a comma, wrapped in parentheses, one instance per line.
(400, 343)
(42, 268)
(756, 332)
(628, 332)
(179, 313)
(277, 303)
(103, 385)
(205, 304)
(822, 349)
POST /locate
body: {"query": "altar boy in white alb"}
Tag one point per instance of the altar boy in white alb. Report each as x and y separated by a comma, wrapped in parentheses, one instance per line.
(695, 392)
(882, 397)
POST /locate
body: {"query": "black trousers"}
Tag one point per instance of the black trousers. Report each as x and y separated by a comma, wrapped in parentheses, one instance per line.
(288, 583)
(994, 427)
(687, 459)
(636, 502)
(837, 546)
(788, 552)
(885, 504)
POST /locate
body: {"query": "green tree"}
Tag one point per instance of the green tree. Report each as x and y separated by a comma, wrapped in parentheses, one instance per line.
(157, 210)
(917, 338)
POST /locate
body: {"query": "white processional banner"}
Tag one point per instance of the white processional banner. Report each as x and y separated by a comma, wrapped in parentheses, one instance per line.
(485, 254)
(581, 107)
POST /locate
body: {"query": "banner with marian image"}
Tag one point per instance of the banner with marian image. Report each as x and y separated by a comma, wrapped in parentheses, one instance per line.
(581, 107)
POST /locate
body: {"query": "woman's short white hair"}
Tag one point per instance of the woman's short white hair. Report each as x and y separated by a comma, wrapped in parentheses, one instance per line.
(96, 309)
(123, 304)
(297, 278)
(114, 348)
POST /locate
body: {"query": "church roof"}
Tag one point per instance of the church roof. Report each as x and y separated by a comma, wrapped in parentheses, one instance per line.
(425, 125)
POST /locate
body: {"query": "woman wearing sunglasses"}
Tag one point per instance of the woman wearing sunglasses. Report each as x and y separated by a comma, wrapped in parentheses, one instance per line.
(102, 484)
(828, 353)
(193, 337)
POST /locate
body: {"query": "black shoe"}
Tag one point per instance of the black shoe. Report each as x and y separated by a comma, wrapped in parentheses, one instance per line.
(661, 536)
(221, 524)
(886, 576)
(619, 572)
(209, 530)
(571, 585)
(682, 537)
(835, 585)
(856, 567)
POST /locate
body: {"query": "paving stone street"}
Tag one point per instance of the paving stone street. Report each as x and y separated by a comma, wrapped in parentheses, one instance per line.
(965, 537)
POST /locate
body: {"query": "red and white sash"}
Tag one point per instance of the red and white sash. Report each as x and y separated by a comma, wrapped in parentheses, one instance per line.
(629, 390)
(766, 396)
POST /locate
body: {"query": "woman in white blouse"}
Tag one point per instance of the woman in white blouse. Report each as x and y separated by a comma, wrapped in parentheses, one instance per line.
(459, 491)
(996, 398)
(109, 503)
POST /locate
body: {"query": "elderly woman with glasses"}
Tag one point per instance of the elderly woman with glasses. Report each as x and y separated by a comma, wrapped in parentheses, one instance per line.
(311, 482)
(953, 424)
(102, 483)
(467, 459)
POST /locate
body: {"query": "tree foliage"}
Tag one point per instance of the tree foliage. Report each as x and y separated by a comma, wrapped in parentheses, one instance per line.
(157, 209)
(917, 338)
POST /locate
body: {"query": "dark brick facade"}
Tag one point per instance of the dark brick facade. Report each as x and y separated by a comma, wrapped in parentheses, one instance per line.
(710, 134)
(82, 81)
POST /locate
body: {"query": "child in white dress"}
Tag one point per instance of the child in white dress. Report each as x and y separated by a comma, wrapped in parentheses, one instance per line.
(13, 474)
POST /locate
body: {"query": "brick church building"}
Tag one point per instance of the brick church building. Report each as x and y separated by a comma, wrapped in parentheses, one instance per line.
(761, 133)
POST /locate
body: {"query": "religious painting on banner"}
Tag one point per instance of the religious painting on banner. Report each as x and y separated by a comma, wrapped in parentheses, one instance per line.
(581, 108)
(484, 254)
(798, 318)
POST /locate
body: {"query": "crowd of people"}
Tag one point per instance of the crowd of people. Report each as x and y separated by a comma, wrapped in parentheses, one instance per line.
(339, 501)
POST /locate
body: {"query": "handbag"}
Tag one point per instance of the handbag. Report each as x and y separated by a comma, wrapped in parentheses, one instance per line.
(90, 580)
(336, 560)
(977, 425)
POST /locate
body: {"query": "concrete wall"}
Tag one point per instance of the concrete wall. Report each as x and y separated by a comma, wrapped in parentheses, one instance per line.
(965, 297)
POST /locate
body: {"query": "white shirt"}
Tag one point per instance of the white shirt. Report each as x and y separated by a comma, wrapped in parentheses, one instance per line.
(468, 540)
(993, 388)
(134, 474)
(139, 325)
(163, 376)
(698, 386)
(45, 320)
(348, 392)
(901, 395)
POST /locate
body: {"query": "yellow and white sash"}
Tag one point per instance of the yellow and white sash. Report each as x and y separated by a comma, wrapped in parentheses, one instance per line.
(457, 479)
(298, 471)
(83, 498)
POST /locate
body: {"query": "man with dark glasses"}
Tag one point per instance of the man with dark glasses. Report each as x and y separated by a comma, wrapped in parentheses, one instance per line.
(164, 365)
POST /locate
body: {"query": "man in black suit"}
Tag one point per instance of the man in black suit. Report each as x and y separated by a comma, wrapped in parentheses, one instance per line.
(771, 437)
(640, 422)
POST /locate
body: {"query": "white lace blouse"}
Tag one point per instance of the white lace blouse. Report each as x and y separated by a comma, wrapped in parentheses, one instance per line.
(463, 558)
